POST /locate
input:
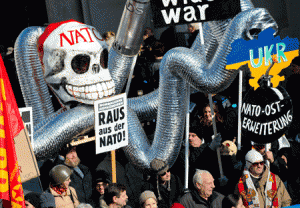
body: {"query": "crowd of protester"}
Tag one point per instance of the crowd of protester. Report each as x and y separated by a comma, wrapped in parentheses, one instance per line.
(252, 176)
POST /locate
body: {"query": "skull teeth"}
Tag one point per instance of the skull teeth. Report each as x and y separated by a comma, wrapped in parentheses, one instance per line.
(92, 92)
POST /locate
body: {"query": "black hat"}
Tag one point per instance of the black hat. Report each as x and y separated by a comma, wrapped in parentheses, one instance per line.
(33, 198)
(102, 176)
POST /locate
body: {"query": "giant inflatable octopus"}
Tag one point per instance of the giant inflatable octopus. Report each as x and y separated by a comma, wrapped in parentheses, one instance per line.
(72, 59)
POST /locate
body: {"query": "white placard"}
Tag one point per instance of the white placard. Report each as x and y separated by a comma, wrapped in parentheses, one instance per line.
(111, 129)
(26, 114)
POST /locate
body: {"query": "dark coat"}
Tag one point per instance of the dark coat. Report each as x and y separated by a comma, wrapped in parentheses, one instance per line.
(83, 186)
(193, 200)
(168, 197)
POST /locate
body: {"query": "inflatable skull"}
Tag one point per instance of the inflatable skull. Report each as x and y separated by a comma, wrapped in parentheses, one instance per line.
(75, 57)
(228, 148)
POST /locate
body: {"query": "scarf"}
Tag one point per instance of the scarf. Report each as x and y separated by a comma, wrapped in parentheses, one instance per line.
(61, 189)
(250, 195)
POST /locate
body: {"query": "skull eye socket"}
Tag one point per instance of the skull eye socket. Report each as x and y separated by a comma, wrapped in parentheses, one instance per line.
(104, 58)
(80, 63)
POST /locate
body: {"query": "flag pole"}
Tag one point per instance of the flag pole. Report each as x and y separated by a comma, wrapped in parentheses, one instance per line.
(239, 109)
(187, 131)
(215, 133)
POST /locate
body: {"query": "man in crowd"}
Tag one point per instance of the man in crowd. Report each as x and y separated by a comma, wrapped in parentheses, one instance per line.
(203, 194)
(196, 147)
(277, 155)
(260, 187)
(81, 178)
(101, 181)
(115, 195)
(166, 186)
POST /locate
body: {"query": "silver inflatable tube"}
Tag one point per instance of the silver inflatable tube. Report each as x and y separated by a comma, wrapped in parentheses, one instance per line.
(246, 4)
(120, 66)
(34, 88)
(61, 129)
(211, 77)
(145, 106)
(170, 125)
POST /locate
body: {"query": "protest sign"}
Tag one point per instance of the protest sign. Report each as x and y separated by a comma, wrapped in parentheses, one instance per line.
(26, 114)
(26, 159)
(111, 130)
(172, 12)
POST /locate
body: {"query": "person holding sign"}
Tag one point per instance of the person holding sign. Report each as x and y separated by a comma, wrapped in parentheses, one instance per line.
(202, 118)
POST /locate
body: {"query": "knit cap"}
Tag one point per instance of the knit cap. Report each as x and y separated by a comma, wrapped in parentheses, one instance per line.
(146, 195)
(159, 166)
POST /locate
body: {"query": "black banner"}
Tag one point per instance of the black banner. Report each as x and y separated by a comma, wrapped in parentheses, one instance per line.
(173, 12)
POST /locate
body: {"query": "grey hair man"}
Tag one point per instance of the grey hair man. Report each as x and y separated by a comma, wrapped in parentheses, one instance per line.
(203, 194)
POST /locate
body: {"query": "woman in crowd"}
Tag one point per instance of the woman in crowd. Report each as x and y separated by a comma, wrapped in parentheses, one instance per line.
(204, 121)
(148, 199)
(64, 195)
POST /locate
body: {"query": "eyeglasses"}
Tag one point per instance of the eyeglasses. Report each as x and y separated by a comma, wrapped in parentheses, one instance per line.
(163, 174)
(258, 163)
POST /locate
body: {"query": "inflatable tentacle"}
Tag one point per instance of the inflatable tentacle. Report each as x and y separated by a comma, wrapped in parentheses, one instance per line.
(212, 77)
(246, 4)
(172, 100)
(34, 88)
(145, 106)
(61, 129)
(120, 66)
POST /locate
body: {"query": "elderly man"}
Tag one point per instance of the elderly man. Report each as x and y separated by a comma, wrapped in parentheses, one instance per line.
(258, 186)
(203, 195)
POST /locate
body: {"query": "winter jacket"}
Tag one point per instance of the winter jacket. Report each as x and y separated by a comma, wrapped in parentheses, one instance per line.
(194, 200)
(284, 198)
(66, 200)
(168, 196)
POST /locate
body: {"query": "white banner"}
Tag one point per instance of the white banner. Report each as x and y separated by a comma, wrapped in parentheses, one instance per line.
(111, 128)
(26, 114)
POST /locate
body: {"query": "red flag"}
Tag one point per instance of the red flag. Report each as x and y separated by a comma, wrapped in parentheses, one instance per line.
(11, 190)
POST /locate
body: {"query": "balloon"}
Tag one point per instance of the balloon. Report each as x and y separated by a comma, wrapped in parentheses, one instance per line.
(266, 113)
